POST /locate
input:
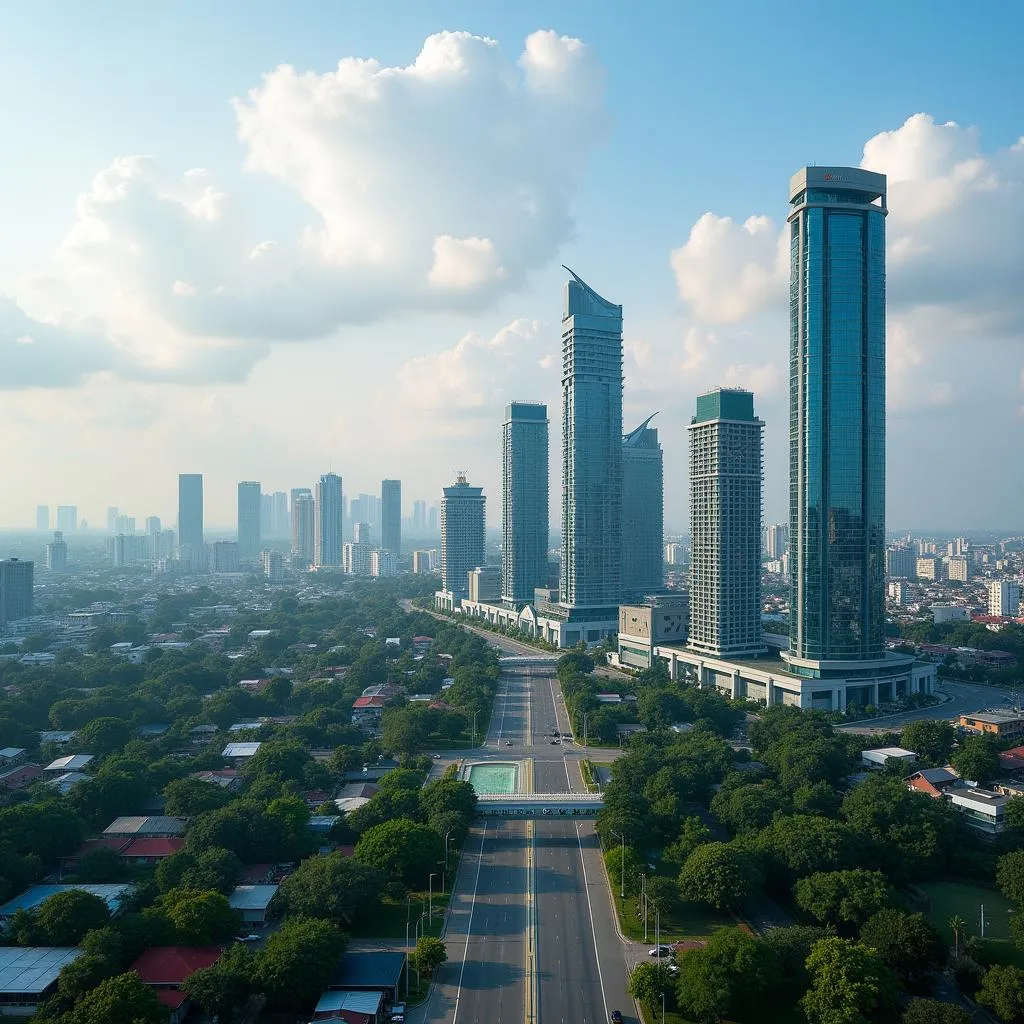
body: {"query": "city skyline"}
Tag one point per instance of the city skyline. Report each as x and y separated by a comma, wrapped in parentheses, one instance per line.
(174, 363)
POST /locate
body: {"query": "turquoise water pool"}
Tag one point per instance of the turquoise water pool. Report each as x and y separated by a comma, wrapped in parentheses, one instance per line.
(502, 777)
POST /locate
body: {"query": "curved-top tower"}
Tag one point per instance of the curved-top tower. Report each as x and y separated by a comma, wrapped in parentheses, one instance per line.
(591, 572)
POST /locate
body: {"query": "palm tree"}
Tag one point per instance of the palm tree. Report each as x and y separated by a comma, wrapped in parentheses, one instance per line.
(957, 925)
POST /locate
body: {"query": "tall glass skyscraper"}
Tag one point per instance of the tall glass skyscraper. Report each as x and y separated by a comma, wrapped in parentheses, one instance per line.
(643, 511)
(524, 497)
(250, 513)
(391, 516)
(191, 552)
(837, 418)
(328, 521)
(591, 575)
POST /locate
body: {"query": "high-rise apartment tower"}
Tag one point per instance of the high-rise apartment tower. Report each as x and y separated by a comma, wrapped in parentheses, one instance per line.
(643, 511)
(190, 515)
(303, 525)
(328, 516)
(726, 454)
(250, 507)
(524, 500)
(462, 534)
(391, 516)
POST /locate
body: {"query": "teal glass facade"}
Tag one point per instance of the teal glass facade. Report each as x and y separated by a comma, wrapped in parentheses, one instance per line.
(837, 414)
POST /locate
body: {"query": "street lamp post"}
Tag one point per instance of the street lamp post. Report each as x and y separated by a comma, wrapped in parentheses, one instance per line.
(473, 744)
(586, 715)
(622, 864)
(643, 896)
(444, 875)
(430, 899)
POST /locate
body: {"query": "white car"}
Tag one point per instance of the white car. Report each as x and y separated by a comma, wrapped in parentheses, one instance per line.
(660, 951)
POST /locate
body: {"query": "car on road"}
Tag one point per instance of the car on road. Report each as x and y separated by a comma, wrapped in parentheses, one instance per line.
(616, 1017)
(251, 937)
(437, 757)
(555, 743)
(508, 743)
(660, 951)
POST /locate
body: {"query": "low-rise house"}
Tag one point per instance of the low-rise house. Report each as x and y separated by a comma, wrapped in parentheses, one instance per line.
(1012, 760)
(239, 753)
(252, 902)
(112, 894)
(226, 778)
(151, 850)
(321, 824)
(245, 726)
(202, 734)
(998, 724)
(933, 782)
(367, 711)
(377, 971)
(151, 732)
(608, 698)
(59, 737)
(165, 968)
(879, 757)
(11, 756)
(28, 975)
(68, 763)
(63, 784)
(157, 826)
(350, 1007)
(982, 809)
(19, 777)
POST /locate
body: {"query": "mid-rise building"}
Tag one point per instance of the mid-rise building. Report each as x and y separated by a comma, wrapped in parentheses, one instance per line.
(422, 562)
(125, 524)
(153, 525)
(250, 510)
(303, 526)
(42, 517)
(361, 533)
(900, 562)
(272, 564)
(67, 518)
(328, 521)
(57, 553)
(591, 570)
(898, 592)
(524, 500)
(726, 454)
(419, 517)
(643, 511)
(1003, 598)
(224, 556)
(356, 558)
(126, 550)
(16, 580)
(462, 534)
(956, 569)
(776, 540)
(675, 554)
(946, 612)
(113, 514)
(383, 563)
(391, 516)
(927, 567)
(484, 584)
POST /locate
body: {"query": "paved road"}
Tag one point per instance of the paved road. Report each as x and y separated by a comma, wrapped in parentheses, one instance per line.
(966, 699)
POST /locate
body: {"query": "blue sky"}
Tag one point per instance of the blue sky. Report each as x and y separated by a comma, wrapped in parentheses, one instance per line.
(678, 110)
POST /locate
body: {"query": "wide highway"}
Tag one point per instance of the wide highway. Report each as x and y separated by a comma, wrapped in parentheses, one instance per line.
(531, 934)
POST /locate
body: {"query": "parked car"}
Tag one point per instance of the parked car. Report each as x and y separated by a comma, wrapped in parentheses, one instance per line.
(660, 951)
(616, 1017)
(508, 743)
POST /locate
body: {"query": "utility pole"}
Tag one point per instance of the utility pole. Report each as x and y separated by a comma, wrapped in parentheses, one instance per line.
(622, 864)
(475, 713)
(643, 896)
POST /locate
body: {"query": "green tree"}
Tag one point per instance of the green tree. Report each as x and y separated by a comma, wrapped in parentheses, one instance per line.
(402, 731)
(791, 946)
(223, 988)
(213, 868)
(907, 943)
(188, 797)
(615, 857)
(99, 866)
(296, 963)
(662, 894)
(849, 985)
(749, 808)
(1010, 876)
(103, 736)
(334, 887)
(447, 795)
(931, 1011)
(977, 760)
(103, 797)
(800, 844)
(62, 919)
(649, 980)
(692, 833)
(200, 917)
(1013, 814)
(122, 999)
(428, 955)
(1002, 991)
(401, 848)
(286, 760)
(931, 739)
(843, 898)
(719, 874)
(727, 978)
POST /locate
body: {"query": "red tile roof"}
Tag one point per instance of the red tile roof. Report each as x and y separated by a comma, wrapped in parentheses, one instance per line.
(21, 776)
(115, 843)
(155, 847)
(369, 702)
(171, 965)
(172, 998)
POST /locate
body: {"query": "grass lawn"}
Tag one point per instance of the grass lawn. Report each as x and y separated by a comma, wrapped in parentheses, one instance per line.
(689, 921)
(949, 899)
(389, 919)
(652, 1015)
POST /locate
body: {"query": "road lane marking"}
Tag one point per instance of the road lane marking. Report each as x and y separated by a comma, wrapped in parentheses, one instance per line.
(531, 928)
(593, 928)
(469, 926)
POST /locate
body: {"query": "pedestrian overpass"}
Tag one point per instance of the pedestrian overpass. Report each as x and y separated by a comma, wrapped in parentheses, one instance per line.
(526, 660)
(540, 806)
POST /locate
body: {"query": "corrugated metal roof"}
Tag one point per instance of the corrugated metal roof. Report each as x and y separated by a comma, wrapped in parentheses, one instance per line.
(357, 1002)
(31, 969)
(252, 897)
(113, 894)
